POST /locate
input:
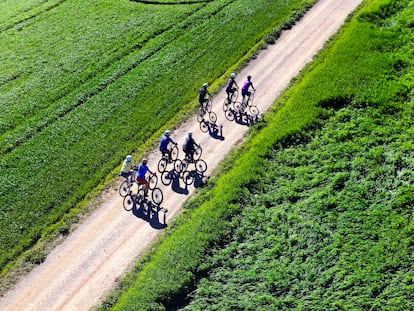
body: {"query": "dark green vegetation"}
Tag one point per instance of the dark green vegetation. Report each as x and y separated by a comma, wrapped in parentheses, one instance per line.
(316, 211)
(83, 83)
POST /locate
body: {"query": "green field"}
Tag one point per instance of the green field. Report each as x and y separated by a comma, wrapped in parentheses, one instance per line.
(82, 83)
(315, 211)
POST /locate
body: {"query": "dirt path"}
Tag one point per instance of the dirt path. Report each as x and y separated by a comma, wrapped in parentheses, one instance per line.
(85, 267)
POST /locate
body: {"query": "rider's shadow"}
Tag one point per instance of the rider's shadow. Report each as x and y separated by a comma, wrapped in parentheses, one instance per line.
(215, 131)
(176, 186)
(245, 118)
(151, 213)
(173, 178)
(198, 179)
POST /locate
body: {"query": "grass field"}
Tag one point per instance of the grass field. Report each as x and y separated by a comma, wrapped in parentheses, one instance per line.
(79, 82)
(316, 211)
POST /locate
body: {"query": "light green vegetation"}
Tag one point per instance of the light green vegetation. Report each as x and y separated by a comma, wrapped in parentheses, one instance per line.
(83, 83)
(315, 212)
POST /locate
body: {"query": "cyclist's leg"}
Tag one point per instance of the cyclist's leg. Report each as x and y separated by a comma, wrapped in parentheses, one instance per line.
(229, 94)
(169, 155)
(145, 183)
(127, 176)
(248, 97)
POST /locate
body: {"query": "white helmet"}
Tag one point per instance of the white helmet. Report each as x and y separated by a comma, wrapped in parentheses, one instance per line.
(233, 75)
(144, 161)
(190, 133)
(205, 85)
(167, 133)
(129, 158)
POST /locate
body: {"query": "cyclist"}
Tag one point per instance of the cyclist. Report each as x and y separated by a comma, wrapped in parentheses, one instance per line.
(189, 146)
(202, 94)
(164, 142)
(245, 89)
(142, 171)
(126, 170)
(230, 89)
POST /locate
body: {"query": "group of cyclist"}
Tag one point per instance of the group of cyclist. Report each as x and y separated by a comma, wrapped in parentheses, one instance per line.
(189, 145)
(231, 87)
(128, 170)
(141, 170)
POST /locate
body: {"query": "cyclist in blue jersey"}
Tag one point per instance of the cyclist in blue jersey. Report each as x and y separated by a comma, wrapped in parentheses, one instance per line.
(164, 142)
(142, 171)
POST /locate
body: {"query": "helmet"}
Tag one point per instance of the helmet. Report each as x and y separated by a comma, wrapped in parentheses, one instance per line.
(129, 158)
(144, 161)
(167, 133)
(205, 84)
(249, 77)
(190, 133)
(233, 75)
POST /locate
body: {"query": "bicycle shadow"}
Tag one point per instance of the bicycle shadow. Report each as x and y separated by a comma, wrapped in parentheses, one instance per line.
(214, 130)
(244, 118)
(173, 178)
(198, 179)
(151, 213)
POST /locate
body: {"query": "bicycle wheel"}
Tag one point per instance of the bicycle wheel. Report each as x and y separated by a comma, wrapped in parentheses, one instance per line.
(254, 111)
(226, 105)
(208, 104)
(184, 165)
(177, 165)
(157, 196)
(167, 177)
(234, 96)
(197, 153)
(153, 180)
(188, 178)
(162, 165)
(174, 153)
(129, 202)
(124, 188)
(200, 115)
(239, 107)
(201, 166)
(212, 116)
(229, 114)
(204, 127)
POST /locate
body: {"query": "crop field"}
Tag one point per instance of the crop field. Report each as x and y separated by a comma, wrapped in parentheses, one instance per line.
(82, 83)
(315, 212)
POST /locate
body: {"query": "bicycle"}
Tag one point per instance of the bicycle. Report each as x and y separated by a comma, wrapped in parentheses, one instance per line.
(167, 157)
(205, 108)
(233, 98)
(132, 199)
(126, 185)
(183, 165)
(241, 107)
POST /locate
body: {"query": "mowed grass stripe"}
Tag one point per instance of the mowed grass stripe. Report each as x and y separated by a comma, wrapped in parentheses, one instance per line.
(62, 51)
(130, 59)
